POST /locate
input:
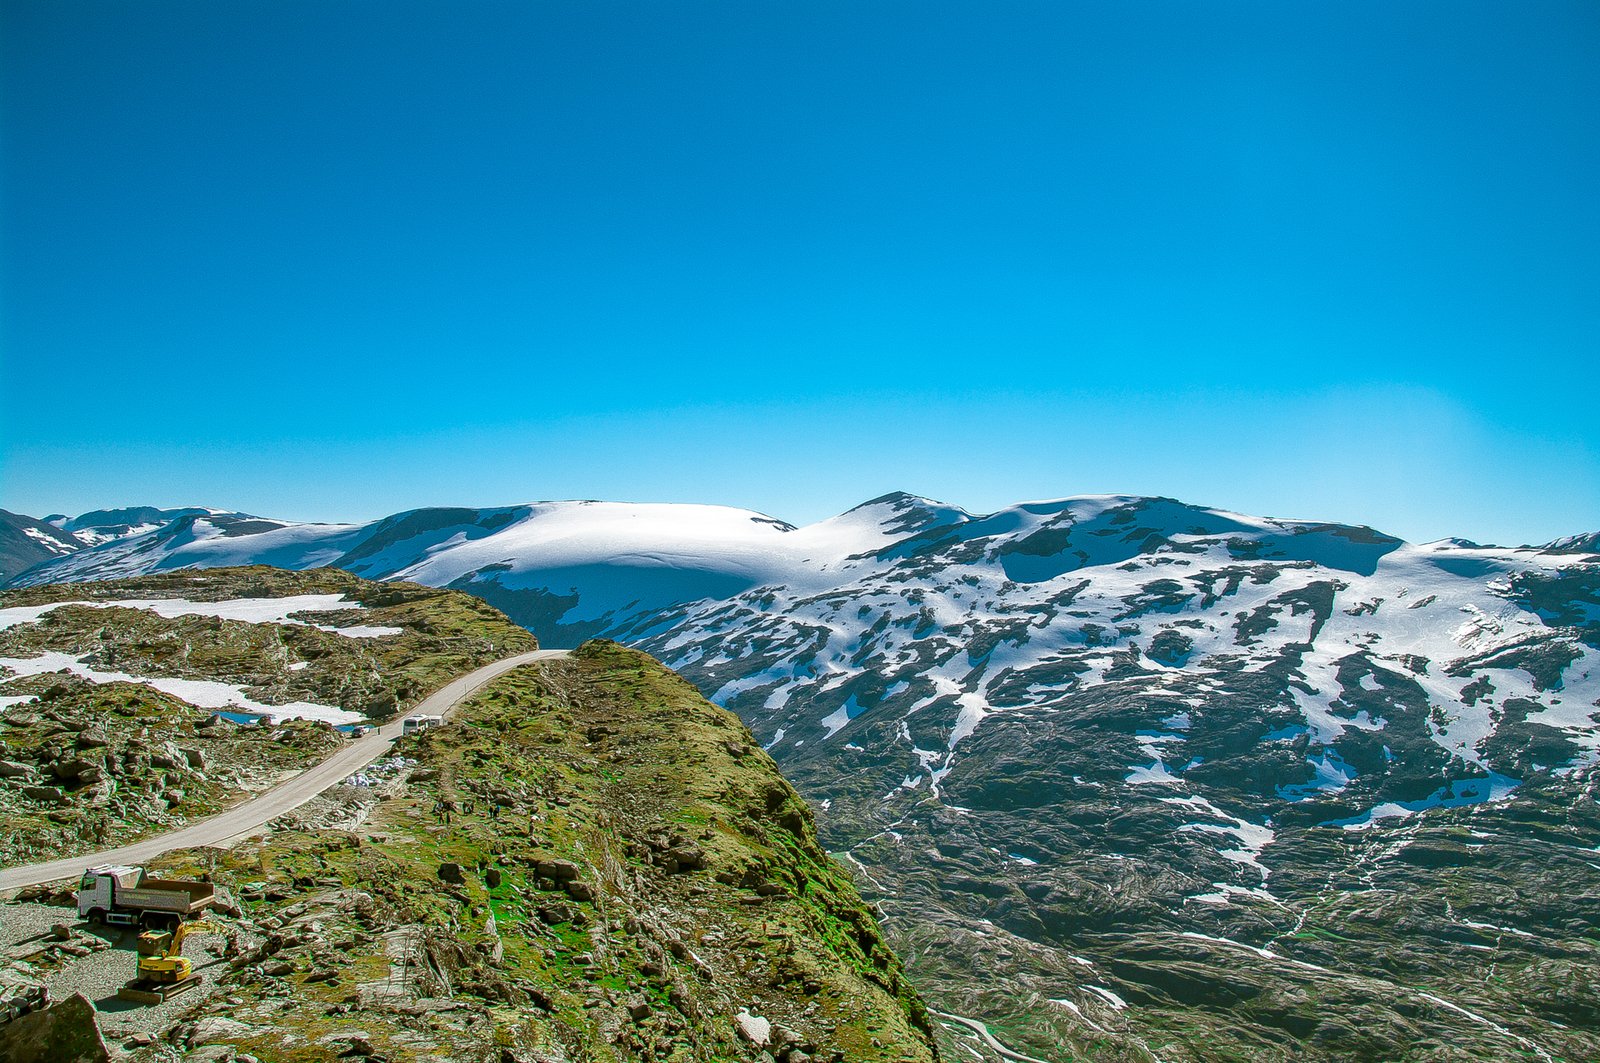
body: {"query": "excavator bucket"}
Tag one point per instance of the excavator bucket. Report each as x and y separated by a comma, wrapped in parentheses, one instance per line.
(154, 942)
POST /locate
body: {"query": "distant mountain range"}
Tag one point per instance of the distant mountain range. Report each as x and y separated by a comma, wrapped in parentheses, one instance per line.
(29, 541)
(1087, 742)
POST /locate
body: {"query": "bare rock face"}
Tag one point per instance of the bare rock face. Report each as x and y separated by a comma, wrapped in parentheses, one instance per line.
(65, 1033)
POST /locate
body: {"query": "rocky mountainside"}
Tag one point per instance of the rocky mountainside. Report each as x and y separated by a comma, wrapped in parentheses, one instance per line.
(1130, 778)
(111, 691)
(25, 542)
(589, 862)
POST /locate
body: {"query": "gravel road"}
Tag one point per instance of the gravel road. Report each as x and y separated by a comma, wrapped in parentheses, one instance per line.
(280, 799)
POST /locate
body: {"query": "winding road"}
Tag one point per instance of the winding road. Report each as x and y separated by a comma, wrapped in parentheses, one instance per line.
(285, 797)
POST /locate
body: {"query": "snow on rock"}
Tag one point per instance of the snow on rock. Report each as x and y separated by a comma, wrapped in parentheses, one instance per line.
(247, 610)
(201, 693)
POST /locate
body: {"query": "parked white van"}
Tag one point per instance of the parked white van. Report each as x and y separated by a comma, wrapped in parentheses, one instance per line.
(413, 724)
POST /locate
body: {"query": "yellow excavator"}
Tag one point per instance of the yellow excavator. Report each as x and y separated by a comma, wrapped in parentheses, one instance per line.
(163, 969)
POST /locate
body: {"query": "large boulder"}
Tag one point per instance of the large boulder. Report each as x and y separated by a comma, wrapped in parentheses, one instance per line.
(167, 757)
(67, 1032)
(214, 1029)
(560, 870)
(83, 768)
(92, 738)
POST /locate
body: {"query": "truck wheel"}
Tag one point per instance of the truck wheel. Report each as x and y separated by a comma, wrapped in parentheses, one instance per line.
(97, 917)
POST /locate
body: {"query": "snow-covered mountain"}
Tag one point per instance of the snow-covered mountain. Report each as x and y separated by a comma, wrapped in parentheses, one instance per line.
(29, 541)
(912, 607)
(25, 542)
(1067, 719)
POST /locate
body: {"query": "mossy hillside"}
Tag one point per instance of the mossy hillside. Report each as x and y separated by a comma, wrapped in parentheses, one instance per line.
(610, 768)
(633, 763)
(126, 760)
(91, 765)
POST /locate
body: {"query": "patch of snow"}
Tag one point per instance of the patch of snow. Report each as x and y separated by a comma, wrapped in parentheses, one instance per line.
(246, 610)
(836, 719)
(1108, 996)
(1070, 1006)
(1253, 836)
(200, 693)
(364, 631)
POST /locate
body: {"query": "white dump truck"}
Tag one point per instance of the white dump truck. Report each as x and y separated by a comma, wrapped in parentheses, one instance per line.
(124, 896)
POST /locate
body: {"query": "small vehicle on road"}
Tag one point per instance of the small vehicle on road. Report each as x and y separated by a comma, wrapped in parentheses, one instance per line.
(125, 896)
(420, 722)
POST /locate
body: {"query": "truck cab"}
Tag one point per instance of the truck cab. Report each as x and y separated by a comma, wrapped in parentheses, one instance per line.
(97, 893)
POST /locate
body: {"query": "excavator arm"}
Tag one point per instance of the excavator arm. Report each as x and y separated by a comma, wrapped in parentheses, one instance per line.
(199, 926)
(162, 954)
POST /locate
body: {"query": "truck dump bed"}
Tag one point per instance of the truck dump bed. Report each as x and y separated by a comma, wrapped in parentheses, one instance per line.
(162, 896)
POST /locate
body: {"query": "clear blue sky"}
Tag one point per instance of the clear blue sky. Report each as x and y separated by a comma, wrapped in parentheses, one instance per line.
(328, 260)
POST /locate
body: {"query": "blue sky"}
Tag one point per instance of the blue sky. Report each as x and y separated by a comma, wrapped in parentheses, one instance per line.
(331, 260)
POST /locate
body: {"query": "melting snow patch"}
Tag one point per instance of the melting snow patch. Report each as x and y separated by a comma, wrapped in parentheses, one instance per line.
(775, 739)
(1332, 775)
(1263, 953)
(363, 631)
(1460, 792)
(1254, 836)
(247, 610)
(201, 693)
(1496, 1027)
(1156, 773)
(836, 719)
(1070, 1006)
(1108, 996)
(29, 614)
(1225, 891)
